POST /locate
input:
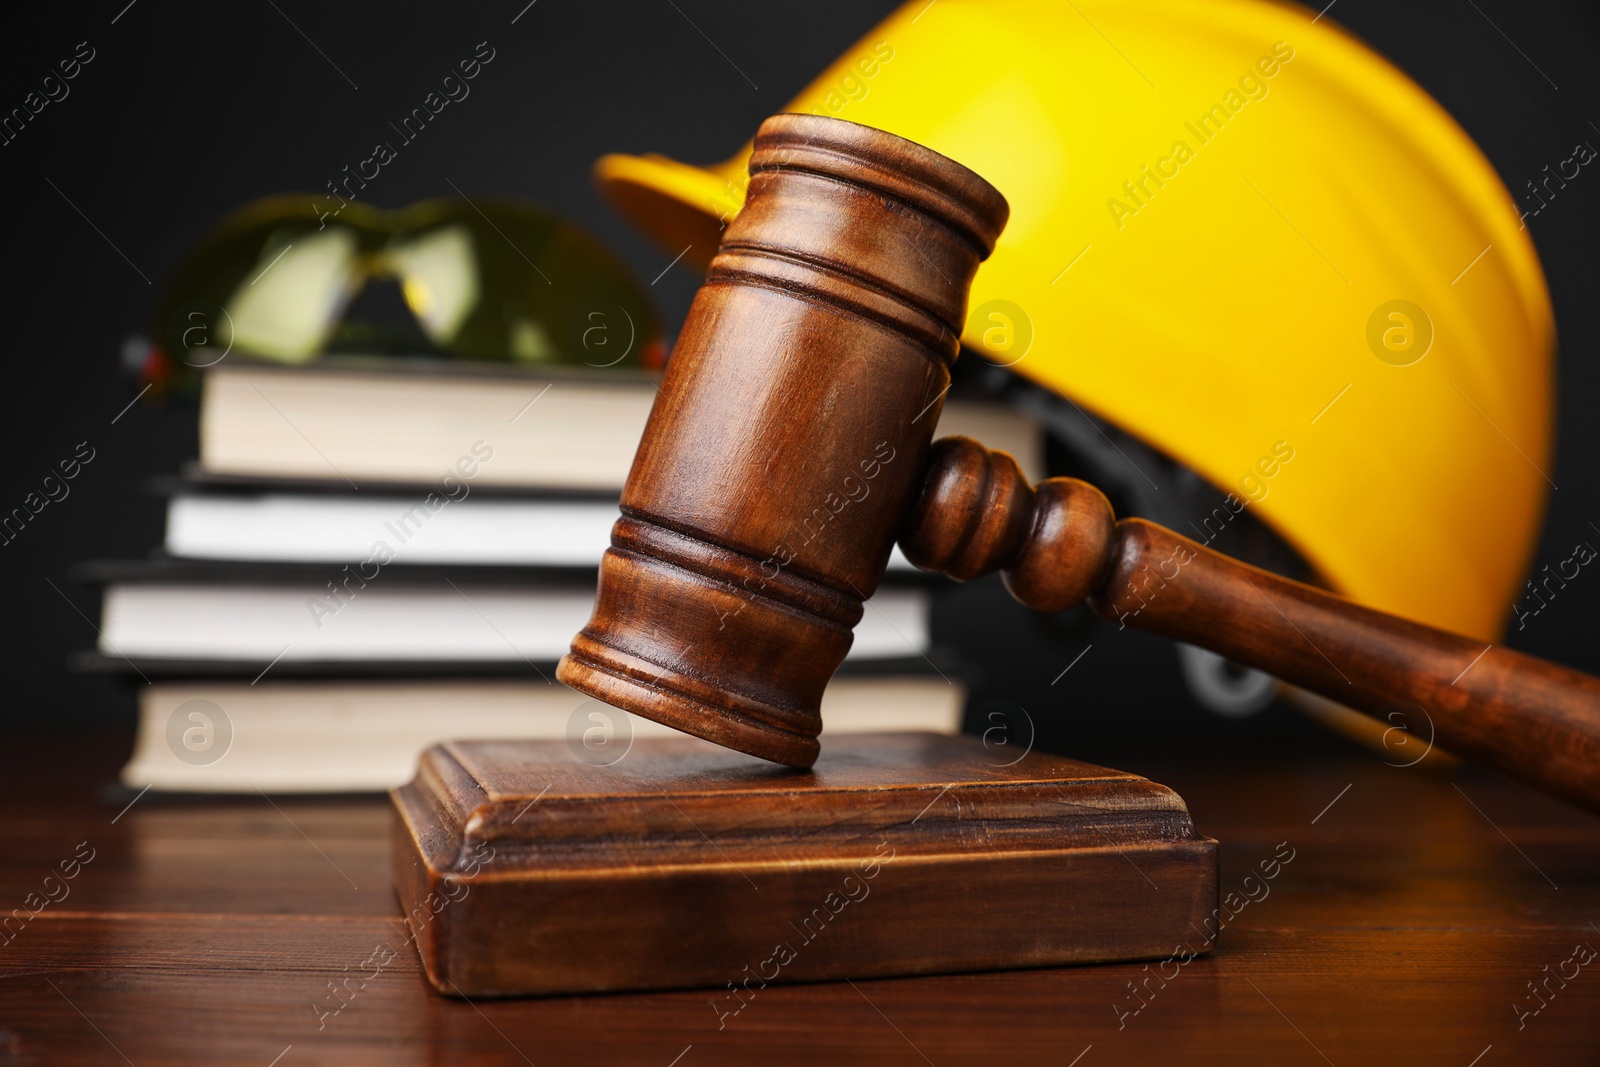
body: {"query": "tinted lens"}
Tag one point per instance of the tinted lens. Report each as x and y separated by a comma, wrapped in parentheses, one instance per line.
(489, 280)
(266, 282)
(494, 280)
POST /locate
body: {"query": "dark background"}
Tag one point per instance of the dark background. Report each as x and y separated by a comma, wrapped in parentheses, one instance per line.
(189, 109)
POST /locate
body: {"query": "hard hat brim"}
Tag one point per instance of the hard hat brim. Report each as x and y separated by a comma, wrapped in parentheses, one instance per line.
(677, 205)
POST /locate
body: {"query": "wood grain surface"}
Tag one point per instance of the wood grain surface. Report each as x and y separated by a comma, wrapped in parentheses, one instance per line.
(523, 868)
(791, 443)
(792, 423)
(1410, 920)
(1058, 544)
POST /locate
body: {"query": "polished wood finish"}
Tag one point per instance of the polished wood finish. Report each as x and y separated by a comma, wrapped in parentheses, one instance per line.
(976, 514)
(1057, 545)
(791, 426)
(791, 439)
(1406, 930)
(523, 870)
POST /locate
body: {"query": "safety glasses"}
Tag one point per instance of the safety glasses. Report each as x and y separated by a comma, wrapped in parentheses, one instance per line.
(494, 281)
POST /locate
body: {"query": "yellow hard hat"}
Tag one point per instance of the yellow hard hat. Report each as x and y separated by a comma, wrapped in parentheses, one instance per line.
(1241, 236)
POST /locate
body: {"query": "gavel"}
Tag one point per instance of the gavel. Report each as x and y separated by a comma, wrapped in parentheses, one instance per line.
(791, 445)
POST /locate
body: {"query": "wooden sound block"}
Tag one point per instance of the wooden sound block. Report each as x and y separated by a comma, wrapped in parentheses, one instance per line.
(524, 870)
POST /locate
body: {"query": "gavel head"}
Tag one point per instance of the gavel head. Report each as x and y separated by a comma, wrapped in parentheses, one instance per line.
(792, 426)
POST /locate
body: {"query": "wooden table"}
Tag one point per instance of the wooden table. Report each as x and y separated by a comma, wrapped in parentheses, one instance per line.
(1414, 913)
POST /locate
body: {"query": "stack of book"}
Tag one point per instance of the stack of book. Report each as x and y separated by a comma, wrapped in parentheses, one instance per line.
(372, 556)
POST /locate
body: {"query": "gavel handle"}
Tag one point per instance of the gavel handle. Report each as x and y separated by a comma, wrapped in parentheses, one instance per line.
(1532, 719)
(1059, 543)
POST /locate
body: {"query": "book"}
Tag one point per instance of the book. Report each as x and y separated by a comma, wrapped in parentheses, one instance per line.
(325, 527)
(317, 613)
(363, 423)
(346, 736)
(178, 668)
